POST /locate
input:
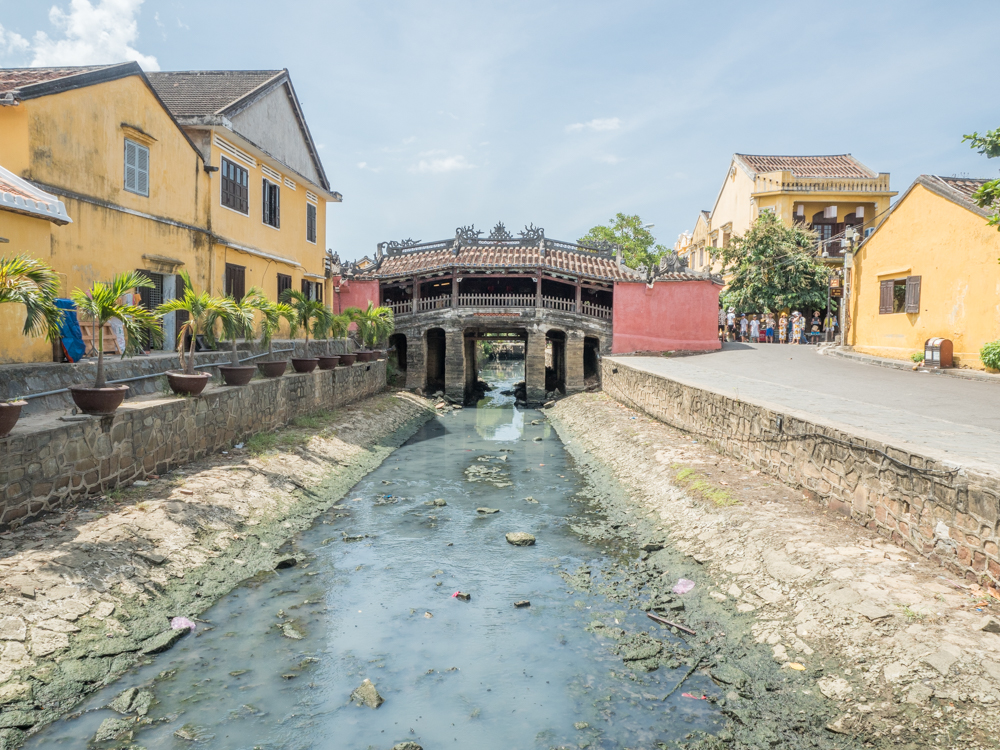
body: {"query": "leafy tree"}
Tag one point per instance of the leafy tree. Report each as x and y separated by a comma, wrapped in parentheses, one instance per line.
(773, 266)
(35, 285)
(638, 244)
(200, 307)
(988, 195)
(101, 304)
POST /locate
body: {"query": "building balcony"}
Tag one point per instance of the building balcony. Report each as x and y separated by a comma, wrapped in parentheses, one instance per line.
(786, 182)
(441, 302)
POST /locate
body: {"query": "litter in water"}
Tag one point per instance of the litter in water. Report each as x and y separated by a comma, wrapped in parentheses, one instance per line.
(683, 586)
(182, 623)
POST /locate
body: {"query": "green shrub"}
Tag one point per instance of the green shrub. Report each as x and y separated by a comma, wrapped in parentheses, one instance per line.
(917, 357)
(990, 355)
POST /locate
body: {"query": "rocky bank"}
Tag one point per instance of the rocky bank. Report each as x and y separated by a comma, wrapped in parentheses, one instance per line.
(88, 592)
(881, 647)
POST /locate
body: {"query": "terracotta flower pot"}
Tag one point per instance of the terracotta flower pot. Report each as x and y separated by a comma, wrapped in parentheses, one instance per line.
(98, 401)
(240, 375)
(346, 360)
(328, 363)
(272, 368)
(366, 356)
(380, 354)
(9, 413)
(304, 364)
(187, 385)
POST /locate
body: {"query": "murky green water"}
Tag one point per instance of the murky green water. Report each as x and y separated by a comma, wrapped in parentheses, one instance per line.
(372, 598)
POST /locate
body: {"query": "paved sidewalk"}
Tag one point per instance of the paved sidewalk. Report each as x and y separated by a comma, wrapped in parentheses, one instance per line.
(957, 420)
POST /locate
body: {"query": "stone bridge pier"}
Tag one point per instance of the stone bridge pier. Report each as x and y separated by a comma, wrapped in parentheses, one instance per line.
(561, 349)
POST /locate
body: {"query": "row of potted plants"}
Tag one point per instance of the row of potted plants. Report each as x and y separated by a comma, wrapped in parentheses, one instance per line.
(33, 284)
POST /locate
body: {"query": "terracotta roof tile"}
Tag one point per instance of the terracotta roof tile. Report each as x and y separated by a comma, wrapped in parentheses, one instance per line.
(13, 79)
(837, 165)
(510, 258)
(488, 257)
(958, 189)
(199, 93)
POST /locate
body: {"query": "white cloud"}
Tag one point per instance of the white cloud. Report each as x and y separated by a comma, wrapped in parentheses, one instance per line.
(609, 159)
(599, 124)
(442, 165)
(12, 44)
(362, 164)
(92, 34)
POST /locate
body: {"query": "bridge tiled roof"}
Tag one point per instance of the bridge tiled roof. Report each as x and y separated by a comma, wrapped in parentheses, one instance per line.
(501, 256)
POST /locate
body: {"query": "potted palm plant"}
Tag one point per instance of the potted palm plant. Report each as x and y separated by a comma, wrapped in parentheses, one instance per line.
(31, 283)
(374, 325)
(237, 318)
(323, 329)
(272, 313)
(340, 325)
(101, 303)
(199, 307)
(306, 312)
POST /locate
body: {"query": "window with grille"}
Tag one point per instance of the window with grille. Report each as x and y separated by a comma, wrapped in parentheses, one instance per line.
(311, 223)
(284, 282)
(235, 187)
(312, 289)
(136, 168)
(235, 281)
(272, 204)
(150, 298)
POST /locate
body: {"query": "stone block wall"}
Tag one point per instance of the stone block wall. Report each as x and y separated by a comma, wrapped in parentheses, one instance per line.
(42, 468)
(23, 380)
(926, 506)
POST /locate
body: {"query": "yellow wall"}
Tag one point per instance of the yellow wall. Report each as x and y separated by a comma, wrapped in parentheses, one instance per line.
(28, 235)
(14, 139)
(955, 253)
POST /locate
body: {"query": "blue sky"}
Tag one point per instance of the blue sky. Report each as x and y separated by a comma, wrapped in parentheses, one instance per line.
(430, 115)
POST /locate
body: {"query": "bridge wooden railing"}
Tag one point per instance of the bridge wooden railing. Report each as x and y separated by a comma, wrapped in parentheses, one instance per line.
(498, 300)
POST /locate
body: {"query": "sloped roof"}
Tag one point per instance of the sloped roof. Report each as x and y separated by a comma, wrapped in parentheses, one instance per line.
(957, 189)
(837, 165)
(192, 95)
(28, 83)
(20, 196)
(200, 93)
(504, 257)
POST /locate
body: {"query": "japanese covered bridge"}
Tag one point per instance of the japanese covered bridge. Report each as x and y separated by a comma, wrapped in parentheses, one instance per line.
(566, 303)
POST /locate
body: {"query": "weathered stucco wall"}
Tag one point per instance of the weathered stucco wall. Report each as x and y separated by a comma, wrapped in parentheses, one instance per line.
(669, 316)
(950, 517)
(955, 253)
(42, 468)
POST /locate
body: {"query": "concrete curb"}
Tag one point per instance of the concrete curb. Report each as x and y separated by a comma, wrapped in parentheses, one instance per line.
(896, 364)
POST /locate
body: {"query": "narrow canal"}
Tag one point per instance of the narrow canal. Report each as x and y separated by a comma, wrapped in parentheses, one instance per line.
(372, 597)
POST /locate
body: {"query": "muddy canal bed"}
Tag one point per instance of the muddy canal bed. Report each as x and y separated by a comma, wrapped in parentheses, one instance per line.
(372, 597)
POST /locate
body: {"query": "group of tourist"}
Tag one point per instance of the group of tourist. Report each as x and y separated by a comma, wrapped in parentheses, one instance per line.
(771, 328)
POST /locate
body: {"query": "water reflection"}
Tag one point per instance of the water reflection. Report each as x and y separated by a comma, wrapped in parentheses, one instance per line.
(497, 416)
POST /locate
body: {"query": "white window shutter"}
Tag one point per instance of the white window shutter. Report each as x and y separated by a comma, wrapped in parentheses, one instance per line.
(130, 162)
(142, 170)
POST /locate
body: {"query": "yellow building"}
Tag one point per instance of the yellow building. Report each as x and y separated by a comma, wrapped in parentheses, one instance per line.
(828, 194)
(169, 175)
(929, 270)
(28, 217)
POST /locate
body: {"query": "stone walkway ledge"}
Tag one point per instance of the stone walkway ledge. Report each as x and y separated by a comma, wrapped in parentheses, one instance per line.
(898, 364)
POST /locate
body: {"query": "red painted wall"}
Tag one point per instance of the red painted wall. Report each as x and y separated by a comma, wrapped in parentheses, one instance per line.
(670, 316)
(354, 294)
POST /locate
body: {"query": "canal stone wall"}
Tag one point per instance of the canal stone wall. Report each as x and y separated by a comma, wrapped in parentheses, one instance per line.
(25, 379)
(45, 462)
(921, 503)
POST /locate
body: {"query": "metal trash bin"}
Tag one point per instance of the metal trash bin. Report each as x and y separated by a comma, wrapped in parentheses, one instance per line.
(938, 353)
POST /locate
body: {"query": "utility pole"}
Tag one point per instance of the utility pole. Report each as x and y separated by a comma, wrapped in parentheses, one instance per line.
(845, 316)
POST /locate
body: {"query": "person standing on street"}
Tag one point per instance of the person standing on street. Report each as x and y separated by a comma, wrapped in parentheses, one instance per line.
(743, 327)
(731, 324)
(783, 329)
(754, 329)
(769, 329)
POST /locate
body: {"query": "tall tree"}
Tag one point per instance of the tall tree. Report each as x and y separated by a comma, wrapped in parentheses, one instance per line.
(773, 266)
(988, 195)
(638, 244)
